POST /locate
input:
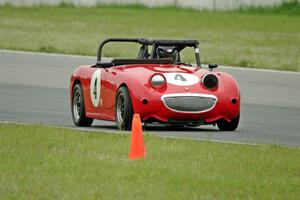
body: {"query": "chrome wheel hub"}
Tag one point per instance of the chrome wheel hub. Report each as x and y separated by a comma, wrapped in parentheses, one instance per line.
(76, 105)
(120, 108)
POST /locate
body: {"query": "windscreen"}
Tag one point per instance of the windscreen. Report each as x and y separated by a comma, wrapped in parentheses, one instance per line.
(121, 50)
(187, 55)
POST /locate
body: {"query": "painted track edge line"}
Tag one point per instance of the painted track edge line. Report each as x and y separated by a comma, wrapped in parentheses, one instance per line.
(94, 57)
(44, 53)
(214, 141)
(259, 70)
(126, 132)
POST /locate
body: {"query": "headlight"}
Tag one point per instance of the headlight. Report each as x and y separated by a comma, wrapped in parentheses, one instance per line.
(158, 81)
(210, 81)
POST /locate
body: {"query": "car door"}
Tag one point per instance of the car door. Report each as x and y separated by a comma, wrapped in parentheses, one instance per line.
(91, 82)
(108, 92)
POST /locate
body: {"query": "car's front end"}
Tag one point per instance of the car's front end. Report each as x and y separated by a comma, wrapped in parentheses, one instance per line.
(175, 94)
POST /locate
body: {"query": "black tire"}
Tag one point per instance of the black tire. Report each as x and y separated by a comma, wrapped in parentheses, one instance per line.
(77, 107)
(176, 126)
(124, 110)
(223, 125)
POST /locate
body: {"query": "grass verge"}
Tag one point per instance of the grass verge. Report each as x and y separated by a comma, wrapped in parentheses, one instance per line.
(259, 38)
(53, 163)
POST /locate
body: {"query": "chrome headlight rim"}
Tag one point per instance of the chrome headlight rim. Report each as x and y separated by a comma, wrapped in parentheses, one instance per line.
(210, 85)
(158, 81)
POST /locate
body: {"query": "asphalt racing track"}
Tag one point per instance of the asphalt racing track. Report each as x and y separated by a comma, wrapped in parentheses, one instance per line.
(34, 89)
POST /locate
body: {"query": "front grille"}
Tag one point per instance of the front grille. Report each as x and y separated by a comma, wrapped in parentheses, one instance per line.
(192, 103)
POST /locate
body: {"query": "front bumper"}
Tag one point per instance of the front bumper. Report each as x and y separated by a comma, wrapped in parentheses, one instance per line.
(187, 108)
(189, 102)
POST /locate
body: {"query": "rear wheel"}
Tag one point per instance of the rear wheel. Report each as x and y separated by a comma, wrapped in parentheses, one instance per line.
(124, 110)
(224, 125)
(78, 111)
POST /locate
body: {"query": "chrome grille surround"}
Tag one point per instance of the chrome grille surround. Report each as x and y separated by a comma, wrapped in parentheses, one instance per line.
(189, 102)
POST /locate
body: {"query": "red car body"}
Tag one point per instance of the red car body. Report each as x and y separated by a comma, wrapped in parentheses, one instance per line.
(185, 82)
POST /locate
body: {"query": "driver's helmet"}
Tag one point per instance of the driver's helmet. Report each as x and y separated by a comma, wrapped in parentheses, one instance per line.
(167, 52)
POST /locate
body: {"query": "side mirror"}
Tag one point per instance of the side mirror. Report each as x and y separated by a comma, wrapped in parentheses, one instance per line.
(212, 66)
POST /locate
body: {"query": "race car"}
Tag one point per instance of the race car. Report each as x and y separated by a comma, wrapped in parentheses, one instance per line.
(157, 85)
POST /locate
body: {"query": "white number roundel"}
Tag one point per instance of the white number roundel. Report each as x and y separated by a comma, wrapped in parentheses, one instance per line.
(95, 88)
(181, 79)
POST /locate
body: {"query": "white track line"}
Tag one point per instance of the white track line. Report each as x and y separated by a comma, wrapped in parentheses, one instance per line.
(45, 54)
(260, 70)
(94, 57)
(210, 140)
(127, 132)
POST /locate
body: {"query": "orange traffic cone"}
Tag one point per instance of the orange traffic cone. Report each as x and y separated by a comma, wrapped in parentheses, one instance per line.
(137, 146)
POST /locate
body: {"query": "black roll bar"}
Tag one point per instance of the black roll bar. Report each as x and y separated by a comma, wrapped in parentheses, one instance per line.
(136, 40)
(155, 43)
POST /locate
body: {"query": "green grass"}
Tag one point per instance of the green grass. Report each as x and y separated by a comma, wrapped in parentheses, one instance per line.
(291, 7)
(52, 163)
(260, 38)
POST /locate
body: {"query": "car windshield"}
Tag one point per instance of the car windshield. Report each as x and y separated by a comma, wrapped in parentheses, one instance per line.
(187, 55)
(120, 50)
(139, 50)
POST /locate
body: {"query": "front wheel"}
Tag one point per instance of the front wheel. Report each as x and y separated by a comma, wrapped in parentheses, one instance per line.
(124, 110)
(224, 125)
(78, 111)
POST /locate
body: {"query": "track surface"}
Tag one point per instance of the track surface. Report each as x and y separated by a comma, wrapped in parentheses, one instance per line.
(34, 89)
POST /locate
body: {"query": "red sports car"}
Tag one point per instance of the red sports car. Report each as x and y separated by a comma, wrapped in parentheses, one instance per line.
(158, 85)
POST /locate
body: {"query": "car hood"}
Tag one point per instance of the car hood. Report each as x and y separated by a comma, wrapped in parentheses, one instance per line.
(144, 72)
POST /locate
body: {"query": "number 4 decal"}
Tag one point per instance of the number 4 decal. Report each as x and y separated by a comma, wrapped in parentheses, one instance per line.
(179, 77)
(95, 88)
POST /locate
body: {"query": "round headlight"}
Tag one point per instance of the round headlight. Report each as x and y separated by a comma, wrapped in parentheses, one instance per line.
(158, 81)
(210, 81)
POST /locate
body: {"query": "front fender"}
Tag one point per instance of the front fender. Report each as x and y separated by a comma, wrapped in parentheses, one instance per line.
(138, 88)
